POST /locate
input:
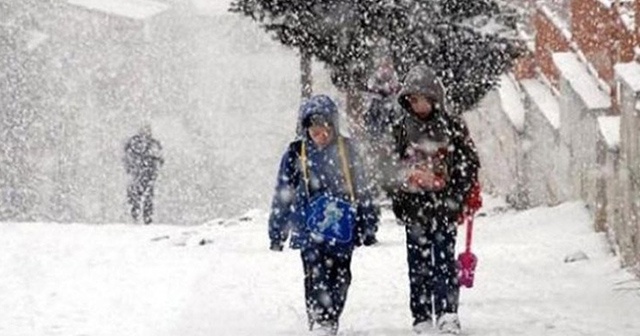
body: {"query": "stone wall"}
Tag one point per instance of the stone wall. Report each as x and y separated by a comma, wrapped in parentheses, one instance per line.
(581, 103)
(570, 148)
(545, 174)
(626, 223)
(499, 146)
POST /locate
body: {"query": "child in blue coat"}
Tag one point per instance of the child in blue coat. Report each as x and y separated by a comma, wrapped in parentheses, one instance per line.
(323, 204)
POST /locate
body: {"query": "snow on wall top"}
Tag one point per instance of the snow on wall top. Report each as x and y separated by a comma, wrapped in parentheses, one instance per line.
(610, 130)
(557, 21)
(606, 3)
(625, 11)
(512, 102)
(542, 96)
(609, 3)
(133, 9)
(630, 74)
(628, 18)
(581, 81)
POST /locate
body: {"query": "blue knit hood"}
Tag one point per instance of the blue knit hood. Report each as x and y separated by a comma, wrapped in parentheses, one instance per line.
(320, 105)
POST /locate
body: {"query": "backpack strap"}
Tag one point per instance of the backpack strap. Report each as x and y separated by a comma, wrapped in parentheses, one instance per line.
(399, 134)
(343, 161)
(305, 171)
(345, 167)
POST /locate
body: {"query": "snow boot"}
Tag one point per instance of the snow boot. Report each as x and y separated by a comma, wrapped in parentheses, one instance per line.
(449, 323)
(423, 327)
(310, 322)
(325, 329)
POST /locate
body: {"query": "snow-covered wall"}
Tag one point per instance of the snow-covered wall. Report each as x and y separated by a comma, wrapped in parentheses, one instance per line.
(581, 103)
(546, 174)
(498, 141)
(608, 196)
(626, 208)
(552, 157)
(570, 147)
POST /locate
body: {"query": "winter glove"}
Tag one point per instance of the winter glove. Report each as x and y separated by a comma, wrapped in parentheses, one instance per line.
(369, 240)
(365, 237)
(474, 199)
(472, 203)
(276, 246)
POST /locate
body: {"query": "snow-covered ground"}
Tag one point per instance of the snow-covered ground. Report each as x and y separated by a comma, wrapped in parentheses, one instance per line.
(221, 279)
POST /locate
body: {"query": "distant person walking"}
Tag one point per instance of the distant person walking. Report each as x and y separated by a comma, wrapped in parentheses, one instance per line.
(142, 160)
(379, 119)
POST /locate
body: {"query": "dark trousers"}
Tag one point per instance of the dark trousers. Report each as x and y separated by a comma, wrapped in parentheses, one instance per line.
(326, 282)
(140, 196)
(433, 272)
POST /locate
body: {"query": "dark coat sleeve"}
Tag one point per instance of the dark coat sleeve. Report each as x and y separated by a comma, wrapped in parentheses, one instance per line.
(283, 203)
(465, 162)
(131, 159)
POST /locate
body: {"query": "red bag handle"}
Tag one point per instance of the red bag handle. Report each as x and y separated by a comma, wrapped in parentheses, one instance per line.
(472, 204)
(469, 221)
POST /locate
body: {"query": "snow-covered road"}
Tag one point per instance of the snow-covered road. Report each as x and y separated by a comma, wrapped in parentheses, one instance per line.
(159, 280)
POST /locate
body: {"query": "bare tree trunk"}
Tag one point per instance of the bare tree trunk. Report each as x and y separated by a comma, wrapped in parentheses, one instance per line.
(306, 80)
(355, 111)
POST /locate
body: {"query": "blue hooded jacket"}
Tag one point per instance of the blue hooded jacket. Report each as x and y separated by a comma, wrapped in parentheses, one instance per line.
(325, 177)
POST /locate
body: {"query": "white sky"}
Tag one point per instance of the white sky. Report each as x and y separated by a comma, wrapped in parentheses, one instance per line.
(212, 6)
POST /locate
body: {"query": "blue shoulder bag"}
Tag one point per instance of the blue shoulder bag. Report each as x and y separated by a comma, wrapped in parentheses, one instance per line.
(330, 219)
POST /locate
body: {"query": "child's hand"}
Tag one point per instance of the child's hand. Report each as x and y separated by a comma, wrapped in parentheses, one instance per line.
(425, 179)
(369, 240)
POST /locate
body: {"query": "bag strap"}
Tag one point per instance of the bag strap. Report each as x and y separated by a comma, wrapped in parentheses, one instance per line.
(473, 202)
(469, 221)
(343, 161)
(345, 167)
(305, 172)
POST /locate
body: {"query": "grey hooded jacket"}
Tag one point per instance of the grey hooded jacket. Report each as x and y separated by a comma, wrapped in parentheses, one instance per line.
(439, 133)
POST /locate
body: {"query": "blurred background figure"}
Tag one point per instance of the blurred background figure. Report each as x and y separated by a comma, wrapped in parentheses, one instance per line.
(381, 113)
(142, 160)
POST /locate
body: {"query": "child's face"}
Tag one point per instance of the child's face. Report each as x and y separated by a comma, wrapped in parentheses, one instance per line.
(420, 105)
(321, 135)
